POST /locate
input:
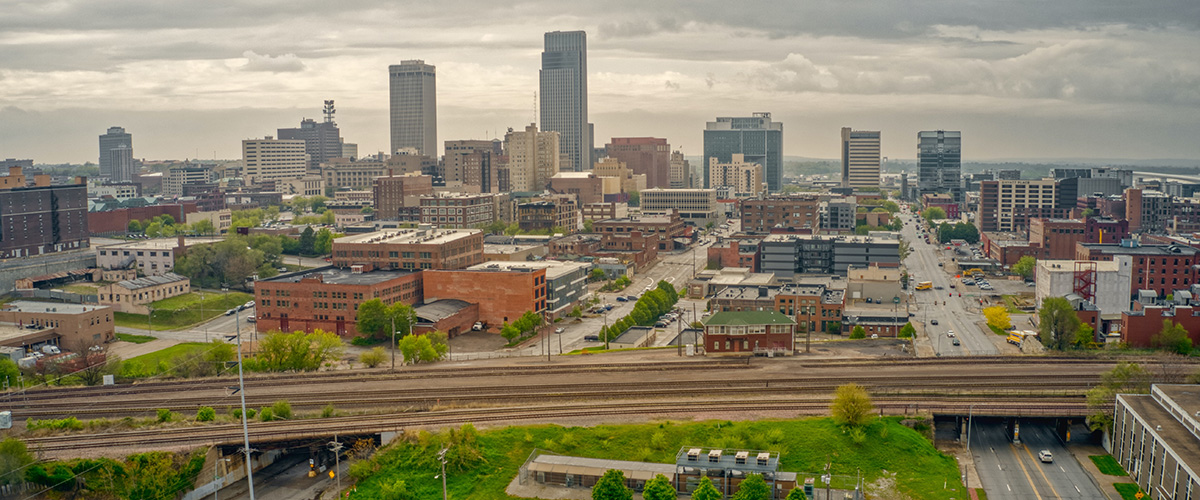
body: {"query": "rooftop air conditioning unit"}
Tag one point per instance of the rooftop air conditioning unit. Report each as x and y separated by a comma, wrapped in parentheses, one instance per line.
(763, 458)
(693, 455)
(714, 456)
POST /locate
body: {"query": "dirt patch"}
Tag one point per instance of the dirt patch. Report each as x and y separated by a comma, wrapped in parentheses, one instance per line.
(477, 342)
(884, 488)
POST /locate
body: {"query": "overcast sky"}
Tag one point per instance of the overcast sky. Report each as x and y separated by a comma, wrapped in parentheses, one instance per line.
(1020, 78)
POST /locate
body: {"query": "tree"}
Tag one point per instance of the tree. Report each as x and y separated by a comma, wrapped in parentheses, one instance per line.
(1025, 266)
(203, 226)
(206, 414)
(597, 274)
(905, 250)
(907, 331)
(797, 493)
(1088, 212)
(635, 199)
(997, 316)
(933, 213)
(372, 358)
(1085, 336)
(1172, 338)
(611, 486)
(134, 227)
(753, 488)
(403, 316)
(851, 405)
(705, 490)
(308, 241)
(658, 488)
(1058, 323)
(587, 225)
(373, 321)
(858, 333)
(418, 348)
(509, 332)
(154, 230)
(833, 327)
(14, 458)
(1125, 378)
(296, 351)
(324, 242)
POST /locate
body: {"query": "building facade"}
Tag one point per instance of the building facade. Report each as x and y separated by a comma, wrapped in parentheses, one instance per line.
(76, 325)
(667, 227)
(322, 141)
(750, 331)
(273, 159)
(697, 206)
(740, 177)
(860, 158)
(939, 163)
(134, 296)
(533, 158)
(681, 172)
(179, 177)
(410, 249)
(756, 137)
(566, 282)
(413, 106)
(393, 193)
(328, 298)
(558, 213)
(503, 294)
(1008, 205)
(1154, 438)
(649, 156)
(348, 173)
(460, 210)
(564, 96)
(798, 213)
(43, 218)
(114, 138)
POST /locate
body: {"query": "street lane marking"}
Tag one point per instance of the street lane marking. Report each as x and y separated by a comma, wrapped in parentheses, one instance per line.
(1040, 471)
(1076, 487)
(1027, 477)
(1007, 486)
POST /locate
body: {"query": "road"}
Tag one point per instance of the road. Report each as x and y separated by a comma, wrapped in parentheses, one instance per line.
(286, 479)
(1013, 471)
(944, 305)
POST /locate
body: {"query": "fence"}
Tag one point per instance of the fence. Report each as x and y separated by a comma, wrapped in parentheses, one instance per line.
(58, 295)
(520, 353)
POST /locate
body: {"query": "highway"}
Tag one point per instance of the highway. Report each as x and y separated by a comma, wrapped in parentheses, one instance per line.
(944, 306)
(1013, 471)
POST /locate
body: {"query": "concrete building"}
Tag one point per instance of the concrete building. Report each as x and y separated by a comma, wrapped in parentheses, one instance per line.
(410, 249)
(120, 160)
(756, 137)
(515, 253)
(586, 187)
(134, 296)
(413, 106)
(392, 193)
(696, 206)
(117, 190)
(322, 141)
(1008, 205)
(503, 294)
(626, 179)
(221, 220)
(71, 326)
(795, 213)
(461, 210)
(328, 298)
(43, 218)
(648, 156)
(349, 173)
(838, 215)
(566, 282)
(860, 158)
(787, 255)
(750, 331)
(742, 178)
(271, 159)
(308, 185)
(150, 257)
(178, 177)
(114, 138)
(1155, 438)
(680, 172)
(875, 282)
(564, 96)
(1105, 284)
(409, 161)
(603, 211)
(557, 213)
(533, 158)
(939, 163)
(474, 163)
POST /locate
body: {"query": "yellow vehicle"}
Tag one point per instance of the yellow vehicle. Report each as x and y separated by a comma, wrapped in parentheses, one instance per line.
(974, 272)
(925, 285)
(1015, 338)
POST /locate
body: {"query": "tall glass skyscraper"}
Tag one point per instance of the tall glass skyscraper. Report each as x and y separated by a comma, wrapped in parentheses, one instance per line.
(939, 163)
(758, 138)
(115, 138)
(564, 95)
(414, 106)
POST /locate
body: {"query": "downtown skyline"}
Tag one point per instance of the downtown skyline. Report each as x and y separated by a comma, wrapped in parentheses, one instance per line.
(1072, 80)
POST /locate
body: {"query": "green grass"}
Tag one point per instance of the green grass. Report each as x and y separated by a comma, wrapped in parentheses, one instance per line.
(998, 331)
(1010, 301)
(805, 447)
(1108, 465)
(136, 339)
(1128, 491)
(80, 289)
(151, 360)
(601, 350)
(981, 494)
(184, 310)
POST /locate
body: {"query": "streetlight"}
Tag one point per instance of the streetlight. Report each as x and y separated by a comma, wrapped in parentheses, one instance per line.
(242, 390)
(336, 447)
(442, 459)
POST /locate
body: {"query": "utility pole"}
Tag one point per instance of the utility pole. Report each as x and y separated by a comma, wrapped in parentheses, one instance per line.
(442, 459)
(336, 448)
(242, 392)
(393, 343)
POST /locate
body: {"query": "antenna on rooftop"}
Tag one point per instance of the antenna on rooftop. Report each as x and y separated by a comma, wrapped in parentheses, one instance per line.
(329, 111)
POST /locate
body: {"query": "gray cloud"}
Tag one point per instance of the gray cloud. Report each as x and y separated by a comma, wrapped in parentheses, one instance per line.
(285, 63)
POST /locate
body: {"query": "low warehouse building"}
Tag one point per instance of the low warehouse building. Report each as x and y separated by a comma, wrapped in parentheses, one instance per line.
(634, 337)
(1156, 438)
(760, 332)
(134, 296)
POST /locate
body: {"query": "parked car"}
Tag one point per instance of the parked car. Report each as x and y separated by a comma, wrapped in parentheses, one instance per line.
(248, 304)
(478, 326)
(1046, 457)
(231, 311)
(608, 307)
(559, 330)
(251, 319)
(621, 298)
(631, 297)
(591, 338)
(933, 321)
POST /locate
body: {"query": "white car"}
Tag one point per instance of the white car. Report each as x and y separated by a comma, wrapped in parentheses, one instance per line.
(1046, 457)
(950, 333)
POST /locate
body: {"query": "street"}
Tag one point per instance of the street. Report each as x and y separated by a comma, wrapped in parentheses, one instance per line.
(1013, 471)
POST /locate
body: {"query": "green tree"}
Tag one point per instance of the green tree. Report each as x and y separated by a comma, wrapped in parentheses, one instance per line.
(1025, 266)
(1085, 336)
(404, 316)
(797, 493)
(282, 409)
(134, 227)
(1058, 323)
(308, 241)
(204, 226)
(635, 199)
(705, 490)
(1125, 378)
(933, 213)
(14, 458)
(851, 405)
(587, 225)
(597, 274)
(1172, 338)
(907, 331)
(373, 320)
(834, 327)
(858, 333)
(154, 230)
(658, 488)
(611, 486)
(418, 348)
(753, 488)
(296, 351)
(324, 242)
(206, 414)
(509, 332)
(372, 358)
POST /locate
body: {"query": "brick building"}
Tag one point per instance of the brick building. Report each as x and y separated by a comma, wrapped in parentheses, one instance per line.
(558, 213)
(1159, 268)
(943, 201)
(503, 295)
(566, 282)
(133, 296)
(735, 253)
(1009, 205)
(392, 193)
(1142, 323)
(150, 257)
(750, 331)
(585, 186)
(605, 211)
(460, 210)
(649, 156)
(328, 298)
(116, 221)
(422, 248)
(798, 213)
(667, 227)
(41, 218)
(71, 325)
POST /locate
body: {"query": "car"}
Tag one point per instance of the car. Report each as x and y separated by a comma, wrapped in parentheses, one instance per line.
(940, 264)
(231, 312)
(631, 297)
(952, 284)
(248, 304)
(986, 287)
(950, 333)
(1030, 283)
(939, 287)
(251, 319)
(933, 321)
(608, 307)
(478, 326)
(559, 330)
(874, 335)
(1046, 457)
(660, 324)
(591, 338)
(954, 342)
(622, 298)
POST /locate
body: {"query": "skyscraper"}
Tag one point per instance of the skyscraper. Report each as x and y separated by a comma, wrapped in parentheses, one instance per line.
(757, 138)
(533, 158)
(413, 106)
(564, 96)
(649, 156)
(939, 163)
(322, 141)
(115, 138)
(121, 164)
(860, 158)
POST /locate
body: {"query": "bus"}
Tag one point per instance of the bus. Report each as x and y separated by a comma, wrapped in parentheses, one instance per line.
(925, 285)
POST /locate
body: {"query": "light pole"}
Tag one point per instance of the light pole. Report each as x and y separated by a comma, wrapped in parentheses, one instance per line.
(336, 447)
(442, 459)
(393, 343)
(242, 390)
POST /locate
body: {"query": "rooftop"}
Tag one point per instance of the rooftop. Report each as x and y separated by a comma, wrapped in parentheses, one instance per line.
(749, 318)
(50, 307)
(554, 268)
(632, 335)
(1161, 423)
(1150, 250)
(688, 336)
(643, 471)
(748, 293)
(159, 244)
(440, 309)
(427, 236)
(149, 281)
(1069, 265)
(336, 276)
(494, 249)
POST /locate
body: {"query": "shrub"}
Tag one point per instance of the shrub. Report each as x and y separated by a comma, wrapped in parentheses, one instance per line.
(282, 409)
(266, 415)
(327, 411)
(62, 424)
(164, 415)
(206, 414)
(373, 358)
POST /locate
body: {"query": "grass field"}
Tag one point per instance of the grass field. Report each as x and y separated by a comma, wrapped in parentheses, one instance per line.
(80, 289)
(998, 331)
(184, 310)
(136, 339)
(1108, 465)
(805, 447)
(152, 360)
(1011, 302)
(1128, 491)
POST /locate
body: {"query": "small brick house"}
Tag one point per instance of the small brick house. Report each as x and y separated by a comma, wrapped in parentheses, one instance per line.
(750, 331)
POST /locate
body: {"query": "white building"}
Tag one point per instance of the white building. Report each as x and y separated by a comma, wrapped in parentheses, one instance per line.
(739, 175)
(273, 159)
(698, 206)
(533, 158)
(1057, 278)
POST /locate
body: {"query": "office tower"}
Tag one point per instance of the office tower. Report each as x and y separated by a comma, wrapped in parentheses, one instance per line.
(739, 175)
(414, 106)
(273, 159)
(757, 138)
(533, 158)
(860, 158)
(681, 171)
(939, 163)
(120, 163)
(649, 156)
(115, 137)
(322, 141)
(563, 95)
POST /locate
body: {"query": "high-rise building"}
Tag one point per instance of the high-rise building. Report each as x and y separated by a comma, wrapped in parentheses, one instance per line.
(322, 141)
(939, 163)
(1007, 206)
(757, 138)
(739, 175)
(271, 159)
(178, 177)
(414, 106)
(564, 95)
(42, 218)
(115, 137)
(681, 171)
(473, 163)
(121, 164)
(649, 156)
(533, 158)
(860, 158)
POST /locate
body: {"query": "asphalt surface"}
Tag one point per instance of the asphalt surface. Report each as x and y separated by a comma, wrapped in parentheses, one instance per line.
(944, 306)
(1013, 471)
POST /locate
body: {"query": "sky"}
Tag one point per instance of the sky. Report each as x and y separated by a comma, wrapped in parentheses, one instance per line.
(1019, 78)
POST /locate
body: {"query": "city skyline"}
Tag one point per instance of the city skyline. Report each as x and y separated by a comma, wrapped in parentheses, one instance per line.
(1064, 80)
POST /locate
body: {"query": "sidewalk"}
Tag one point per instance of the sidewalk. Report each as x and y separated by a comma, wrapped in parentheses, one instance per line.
(128, 350)
(1103, 481)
